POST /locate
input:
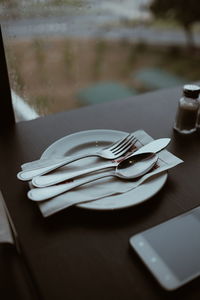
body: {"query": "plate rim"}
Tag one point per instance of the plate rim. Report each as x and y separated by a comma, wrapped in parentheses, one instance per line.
(164, 174)
(77, 133)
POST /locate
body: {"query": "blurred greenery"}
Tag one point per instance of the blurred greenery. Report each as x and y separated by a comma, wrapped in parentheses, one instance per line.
(186, 14)
(14, 67)
(68, 59)
(66, 2)
(50, 71)
(100, 50)
(38, 47)
(42, 104)
(57, 69)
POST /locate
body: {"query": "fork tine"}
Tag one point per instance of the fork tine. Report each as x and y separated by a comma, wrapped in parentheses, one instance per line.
(124, 150)
(131, 138)
(120, 143)
(125, 147)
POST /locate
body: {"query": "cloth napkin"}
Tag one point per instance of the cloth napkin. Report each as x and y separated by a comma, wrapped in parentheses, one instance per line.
(110, 186)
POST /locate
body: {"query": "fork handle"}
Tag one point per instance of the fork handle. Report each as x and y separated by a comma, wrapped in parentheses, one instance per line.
(28, 174)
(41, 194)
(50, 179)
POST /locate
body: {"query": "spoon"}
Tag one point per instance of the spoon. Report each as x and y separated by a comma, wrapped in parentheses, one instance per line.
(128, 168)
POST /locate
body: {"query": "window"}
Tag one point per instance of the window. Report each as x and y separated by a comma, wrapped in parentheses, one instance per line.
(63, 54)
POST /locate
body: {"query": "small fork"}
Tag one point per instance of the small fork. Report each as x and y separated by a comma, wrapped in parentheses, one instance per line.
(113, 151)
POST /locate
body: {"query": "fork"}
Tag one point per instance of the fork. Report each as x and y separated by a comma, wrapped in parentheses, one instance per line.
(116, 150)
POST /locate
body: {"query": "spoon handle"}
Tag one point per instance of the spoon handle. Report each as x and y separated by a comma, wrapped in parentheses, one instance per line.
(41, 194)
(51, 179)
(28, 174)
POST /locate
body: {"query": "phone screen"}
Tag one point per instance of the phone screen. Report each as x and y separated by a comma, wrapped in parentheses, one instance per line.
(176, 244)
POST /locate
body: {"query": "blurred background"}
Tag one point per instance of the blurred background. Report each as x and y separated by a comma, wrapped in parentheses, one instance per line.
(63, 54)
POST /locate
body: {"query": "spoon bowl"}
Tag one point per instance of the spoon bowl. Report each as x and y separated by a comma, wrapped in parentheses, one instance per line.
(136, 166)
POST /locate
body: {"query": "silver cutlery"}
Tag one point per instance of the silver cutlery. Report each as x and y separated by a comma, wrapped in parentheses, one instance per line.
(129, 168)
(113, 151)
(51, 179)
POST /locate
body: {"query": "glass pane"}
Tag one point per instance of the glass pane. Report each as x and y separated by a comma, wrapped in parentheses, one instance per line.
(63, 54)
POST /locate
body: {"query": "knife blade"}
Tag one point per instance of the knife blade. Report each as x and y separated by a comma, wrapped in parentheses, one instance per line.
(154, 146)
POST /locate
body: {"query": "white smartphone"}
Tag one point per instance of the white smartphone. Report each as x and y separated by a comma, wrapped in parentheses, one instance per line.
(171, 250)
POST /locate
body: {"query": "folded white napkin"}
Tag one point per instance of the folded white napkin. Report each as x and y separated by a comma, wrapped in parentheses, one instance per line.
(109, 190)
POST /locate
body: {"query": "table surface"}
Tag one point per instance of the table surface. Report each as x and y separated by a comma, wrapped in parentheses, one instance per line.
(80, 254)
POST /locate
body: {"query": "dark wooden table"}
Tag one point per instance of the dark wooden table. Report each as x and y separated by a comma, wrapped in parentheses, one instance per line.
(79, 254)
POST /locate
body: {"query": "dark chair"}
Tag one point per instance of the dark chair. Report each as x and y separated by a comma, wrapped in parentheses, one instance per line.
(15, 277)
(7, 118)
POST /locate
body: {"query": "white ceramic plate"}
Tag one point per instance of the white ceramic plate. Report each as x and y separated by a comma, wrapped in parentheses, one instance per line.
(87, 141)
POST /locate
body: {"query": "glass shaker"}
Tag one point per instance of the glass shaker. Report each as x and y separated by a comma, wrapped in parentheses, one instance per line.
(187, 111)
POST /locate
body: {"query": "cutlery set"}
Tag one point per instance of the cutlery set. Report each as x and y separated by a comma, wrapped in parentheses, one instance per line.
(126, 163)
(40, 167)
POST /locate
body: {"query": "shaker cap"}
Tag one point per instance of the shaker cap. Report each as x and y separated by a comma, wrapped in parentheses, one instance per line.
(191, 91)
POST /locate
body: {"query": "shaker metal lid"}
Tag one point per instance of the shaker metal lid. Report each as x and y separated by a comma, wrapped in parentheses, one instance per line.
(191, 90)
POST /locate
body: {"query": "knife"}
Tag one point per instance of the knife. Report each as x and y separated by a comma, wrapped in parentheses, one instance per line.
(154, 146)
(51, 179)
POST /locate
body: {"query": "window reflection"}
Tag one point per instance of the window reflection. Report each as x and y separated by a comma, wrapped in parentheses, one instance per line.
(63, 54)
